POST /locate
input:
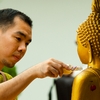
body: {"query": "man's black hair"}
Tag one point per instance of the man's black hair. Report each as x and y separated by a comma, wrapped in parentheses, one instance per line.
(7, 17)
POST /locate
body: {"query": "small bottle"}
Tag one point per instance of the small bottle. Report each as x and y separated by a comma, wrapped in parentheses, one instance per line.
(67, 72)
(70, 71)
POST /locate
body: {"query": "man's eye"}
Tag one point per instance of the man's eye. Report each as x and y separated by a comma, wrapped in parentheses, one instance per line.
(19, 39)
(27, 44)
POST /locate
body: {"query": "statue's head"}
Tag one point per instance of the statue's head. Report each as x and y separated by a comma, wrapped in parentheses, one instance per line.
(88, 35)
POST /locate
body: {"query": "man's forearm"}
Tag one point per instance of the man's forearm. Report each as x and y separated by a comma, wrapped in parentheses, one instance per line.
(10, 89)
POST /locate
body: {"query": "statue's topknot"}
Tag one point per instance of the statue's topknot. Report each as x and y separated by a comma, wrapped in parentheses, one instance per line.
(96, 6)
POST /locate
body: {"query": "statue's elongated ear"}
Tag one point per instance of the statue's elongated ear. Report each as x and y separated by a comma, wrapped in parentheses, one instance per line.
(89, 51)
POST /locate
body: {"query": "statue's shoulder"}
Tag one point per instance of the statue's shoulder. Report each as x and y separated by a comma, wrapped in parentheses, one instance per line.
(87, 75)
(87, 85)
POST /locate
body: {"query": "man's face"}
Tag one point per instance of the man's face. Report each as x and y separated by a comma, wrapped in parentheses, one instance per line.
(14, 42)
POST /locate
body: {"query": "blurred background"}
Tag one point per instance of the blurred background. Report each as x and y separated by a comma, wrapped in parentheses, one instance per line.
(54, 33)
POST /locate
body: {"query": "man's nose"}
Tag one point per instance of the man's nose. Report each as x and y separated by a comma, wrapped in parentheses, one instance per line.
(22, 47)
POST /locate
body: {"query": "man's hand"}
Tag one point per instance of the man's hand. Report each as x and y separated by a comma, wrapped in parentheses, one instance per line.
(51, 68)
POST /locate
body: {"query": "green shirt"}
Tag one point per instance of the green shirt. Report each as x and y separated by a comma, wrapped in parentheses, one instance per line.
(4, 77)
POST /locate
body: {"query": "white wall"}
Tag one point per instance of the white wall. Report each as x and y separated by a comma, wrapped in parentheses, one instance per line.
(54, 32)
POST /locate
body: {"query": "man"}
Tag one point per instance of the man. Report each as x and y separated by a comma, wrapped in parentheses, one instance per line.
(15, 36)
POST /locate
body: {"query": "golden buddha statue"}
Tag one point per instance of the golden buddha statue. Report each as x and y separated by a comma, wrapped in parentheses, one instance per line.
(86, 85)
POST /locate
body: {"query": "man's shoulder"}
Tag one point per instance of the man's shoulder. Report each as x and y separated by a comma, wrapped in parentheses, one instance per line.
(8, 76)
(4, 76)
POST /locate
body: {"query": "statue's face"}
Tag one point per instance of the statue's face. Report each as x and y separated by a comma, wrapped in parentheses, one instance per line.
(82, 52)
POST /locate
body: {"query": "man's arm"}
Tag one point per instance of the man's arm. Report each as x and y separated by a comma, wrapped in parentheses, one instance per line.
(10, 89)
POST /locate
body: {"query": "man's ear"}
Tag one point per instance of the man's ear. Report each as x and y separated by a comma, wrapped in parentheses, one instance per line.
(89, 51)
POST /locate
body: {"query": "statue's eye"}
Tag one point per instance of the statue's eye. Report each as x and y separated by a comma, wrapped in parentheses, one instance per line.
(76, 42)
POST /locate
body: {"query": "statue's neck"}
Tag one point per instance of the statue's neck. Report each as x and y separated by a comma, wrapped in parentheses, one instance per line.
(95, 63)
